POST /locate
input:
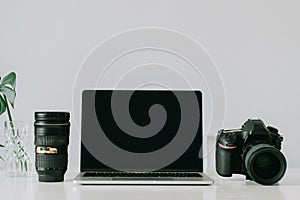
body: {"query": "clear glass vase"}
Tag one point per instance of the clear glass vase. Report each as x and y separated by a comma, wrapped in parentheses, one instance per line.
(19, 147)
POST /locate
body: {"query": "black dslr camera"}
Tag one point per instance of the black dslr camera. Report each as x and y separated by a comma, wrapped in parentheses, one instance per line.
(253, 150)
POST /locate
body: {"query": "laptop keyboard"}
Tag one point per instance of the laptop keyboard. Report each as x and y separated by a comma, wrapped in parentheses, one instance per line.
(141, 174)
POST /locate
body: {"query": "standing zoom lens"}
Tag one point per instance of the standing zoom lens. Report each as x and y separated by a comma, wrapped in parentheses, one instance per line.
(52, 130)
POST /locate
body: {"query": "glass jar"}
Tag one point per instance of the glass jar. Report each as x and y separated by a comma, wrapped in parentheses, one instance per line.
(19, 148)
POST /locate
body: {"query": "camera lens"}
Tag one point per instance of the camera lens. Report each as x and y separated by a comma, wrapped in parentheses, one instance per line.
(265, 164)
(51, 131)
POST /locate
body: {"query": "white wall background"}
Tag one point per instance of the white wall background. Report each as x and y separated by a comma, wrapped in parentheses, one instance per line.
(255, 44)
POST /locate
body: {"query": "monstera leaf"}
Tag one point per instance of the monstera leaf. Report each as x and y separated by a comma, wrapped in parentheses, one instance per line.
(7, 92)
(7, 95)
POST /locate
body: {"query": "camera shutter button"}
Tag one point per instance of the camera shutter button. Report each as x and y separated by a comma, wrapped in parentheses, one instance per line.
(228, 141)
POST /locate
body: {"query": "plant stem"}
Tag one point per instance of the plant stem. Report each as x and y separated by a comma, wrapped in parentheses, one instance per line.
(8, 112)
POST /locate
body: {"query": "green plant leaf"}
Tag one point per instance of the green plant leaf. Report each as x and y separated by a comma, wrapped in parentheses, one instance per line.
(9, 93)
(2, 105)
(9, 80)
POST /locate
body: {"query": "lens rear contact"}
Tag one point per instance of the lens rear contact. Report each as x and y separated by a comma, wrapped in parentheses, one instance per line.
(51, 139)
(265, 164)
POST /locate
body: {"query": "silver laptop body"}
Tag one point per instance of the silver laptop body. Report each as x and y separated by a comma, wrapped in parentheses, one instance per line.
(141, 137)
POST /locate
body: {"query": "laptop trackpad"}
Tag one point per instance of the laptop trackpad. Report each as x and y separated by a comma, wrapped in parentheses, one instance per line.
(142, 179)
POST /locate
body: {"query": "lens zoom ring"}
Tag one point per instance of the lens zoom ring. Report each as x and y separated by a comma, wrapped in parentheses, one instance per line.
(51, 161)
(51, 140)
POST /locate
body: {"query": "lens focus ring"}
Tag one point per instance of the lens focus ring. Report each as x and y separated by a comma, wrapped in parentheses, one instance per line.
(51, 140)
(51, 161)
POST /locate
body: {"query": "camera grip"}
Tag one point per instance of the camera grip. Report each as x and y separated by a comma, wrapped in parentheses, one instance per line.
(223, 161)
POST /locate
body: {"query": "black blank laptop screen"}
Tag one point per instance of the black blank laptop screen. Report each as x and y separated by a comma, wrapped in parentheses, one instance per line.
(153, 120)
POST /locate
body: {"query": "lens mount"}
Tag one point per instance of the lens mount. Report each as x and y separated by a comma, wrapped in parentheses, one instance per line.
(265, 164)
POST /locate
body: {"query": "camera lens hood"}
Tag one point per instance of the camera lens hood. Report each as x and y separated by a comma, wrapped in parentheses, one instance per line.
(265, 164)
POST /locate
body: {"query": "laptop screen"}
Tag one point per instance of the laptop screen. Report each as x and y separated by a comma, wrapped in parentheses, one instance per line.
(141, 130)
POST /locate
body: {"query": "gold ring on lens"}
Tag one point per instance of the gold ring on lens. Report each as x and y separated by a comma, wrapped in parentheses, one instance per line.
(46, 150)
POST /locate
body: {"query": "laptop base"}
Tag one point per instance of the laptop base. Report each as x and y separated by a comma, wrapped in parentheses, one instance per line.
(81, 180)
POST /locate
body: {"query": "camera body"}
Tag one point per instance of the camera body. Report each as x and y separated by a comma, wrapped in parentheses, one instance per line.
(251, 151)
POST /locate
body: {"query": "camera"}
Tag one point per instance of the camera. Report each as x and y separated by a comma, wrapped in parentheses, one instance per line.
(253, 150)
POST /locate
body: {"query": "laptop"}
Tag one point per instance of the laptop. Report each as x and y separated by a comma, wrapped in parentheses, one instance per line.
(141, 137)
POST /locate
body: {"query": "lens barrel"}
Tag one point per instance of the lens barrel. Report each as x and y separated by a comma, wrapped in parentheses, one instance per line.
(52, 130)
(265, 164)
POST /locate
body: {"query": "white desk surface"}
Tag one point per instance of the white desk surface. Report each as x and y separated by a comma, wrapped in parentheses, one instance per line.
(224, 188)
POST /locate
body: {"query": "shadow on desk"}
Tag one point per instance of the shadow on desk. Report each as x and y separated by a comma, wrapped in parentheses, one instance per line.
(144, 192)
(224, 188)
